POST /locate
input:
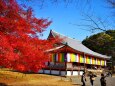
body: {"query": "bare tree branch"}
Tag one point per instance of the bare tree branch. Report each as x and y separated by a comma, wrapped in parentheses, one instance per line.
(102, 23)
(92, 23)
(112, 3)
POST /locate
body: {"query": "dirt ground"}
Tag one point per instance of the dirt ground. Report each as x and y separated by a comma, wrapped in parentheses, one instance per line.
(10, 78)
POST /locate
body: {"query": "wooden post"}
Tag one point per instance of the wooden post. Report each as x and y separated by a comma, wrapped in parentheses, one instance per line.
(79, 69)
(66, 59)
(43, 70)
(65, 68)
(59, 71)
(50, 69)
(84, 62)
(66, 64)
(72, 70)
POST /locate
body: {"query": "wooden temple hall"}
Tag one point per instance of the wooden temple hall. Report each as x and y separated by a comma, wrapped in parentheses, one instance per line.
(71, 57)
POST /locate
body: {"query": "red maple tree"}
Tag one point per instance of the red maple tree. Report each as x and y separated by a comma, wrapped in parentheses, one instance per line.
(20, 47)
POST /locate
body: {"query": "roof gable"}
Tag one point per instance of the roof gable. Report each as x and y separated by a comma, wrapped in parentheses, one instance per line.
(75, 44)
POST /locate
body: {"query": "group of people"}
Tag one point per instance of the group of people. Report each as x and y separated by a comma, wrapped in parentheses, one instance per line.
(92, 79)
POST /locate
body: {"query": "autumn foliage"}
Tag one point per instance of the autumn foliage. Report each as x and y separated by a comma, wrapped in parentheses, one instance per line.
(20, 47)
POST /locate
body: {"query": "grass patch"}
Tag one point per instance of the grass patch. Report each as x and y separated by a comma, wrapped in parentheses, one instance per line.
(11, 78)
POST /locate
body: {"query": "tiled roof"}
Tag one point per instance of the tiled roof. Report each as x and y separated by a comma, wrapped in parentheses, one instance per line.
(77, 45)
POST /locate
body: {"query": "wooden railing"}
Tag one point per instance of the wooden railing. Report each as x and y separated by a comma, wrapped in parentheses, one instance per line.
(56, 66)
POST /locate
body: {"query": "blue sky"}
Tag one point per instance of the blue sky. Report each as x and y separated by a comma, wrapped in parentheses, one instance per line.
(66, 18)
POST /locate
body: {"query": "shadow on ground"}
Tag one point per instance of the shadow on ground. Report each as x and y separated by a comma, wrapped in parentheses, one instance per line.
(76, 84)
(3, 84)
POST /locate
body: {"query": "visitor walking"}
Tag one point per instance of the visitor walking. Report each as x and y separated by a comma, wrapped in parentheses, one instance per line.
(92, 78)
(83, 79)
(102, 80)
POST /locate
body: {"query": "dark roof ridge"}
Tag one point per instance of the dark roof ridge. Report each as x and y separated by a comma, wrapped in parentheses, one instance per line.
(64, 36)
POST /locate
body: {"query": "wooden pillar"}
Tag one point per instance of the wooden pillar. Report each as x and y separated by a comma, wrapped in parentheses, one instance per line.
(72, 70)
(50, 69)
(60, 72)
(66, 58)
(66, 65)
(78, 68)
(43, 70)
(84, 61)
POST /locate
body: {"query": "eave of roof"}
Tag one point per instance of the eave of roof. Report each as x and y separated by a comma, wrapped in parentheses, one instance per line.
(76, 45)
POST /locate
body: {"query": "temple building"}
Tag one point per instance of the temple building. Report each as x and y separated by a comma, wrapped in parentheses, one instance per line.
(70, 57)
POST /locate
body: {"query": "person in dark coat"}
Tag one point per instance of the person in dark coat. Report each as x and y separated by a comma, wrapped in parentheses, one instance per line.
(109, 74)
(102, 80)
(83, 79)
(92, 78)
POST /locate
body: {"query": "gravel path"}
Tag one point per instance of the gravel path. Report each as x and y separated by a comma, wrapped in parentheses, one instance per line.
(109, 80)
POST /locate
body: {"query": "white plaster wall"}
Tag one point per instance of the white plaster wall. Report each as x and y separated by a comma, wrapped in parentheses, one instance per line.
(81, 72)
(47, 71)
(68, 57)
(68, 73)
(105, 63)
(63, 73)
(51, 63)
(55, 72)
(75, 73)
(69, 65)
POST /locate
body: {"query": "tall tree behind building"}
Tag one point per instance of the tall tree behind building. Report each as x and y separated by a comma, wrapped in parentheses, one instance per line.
(103, 43)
